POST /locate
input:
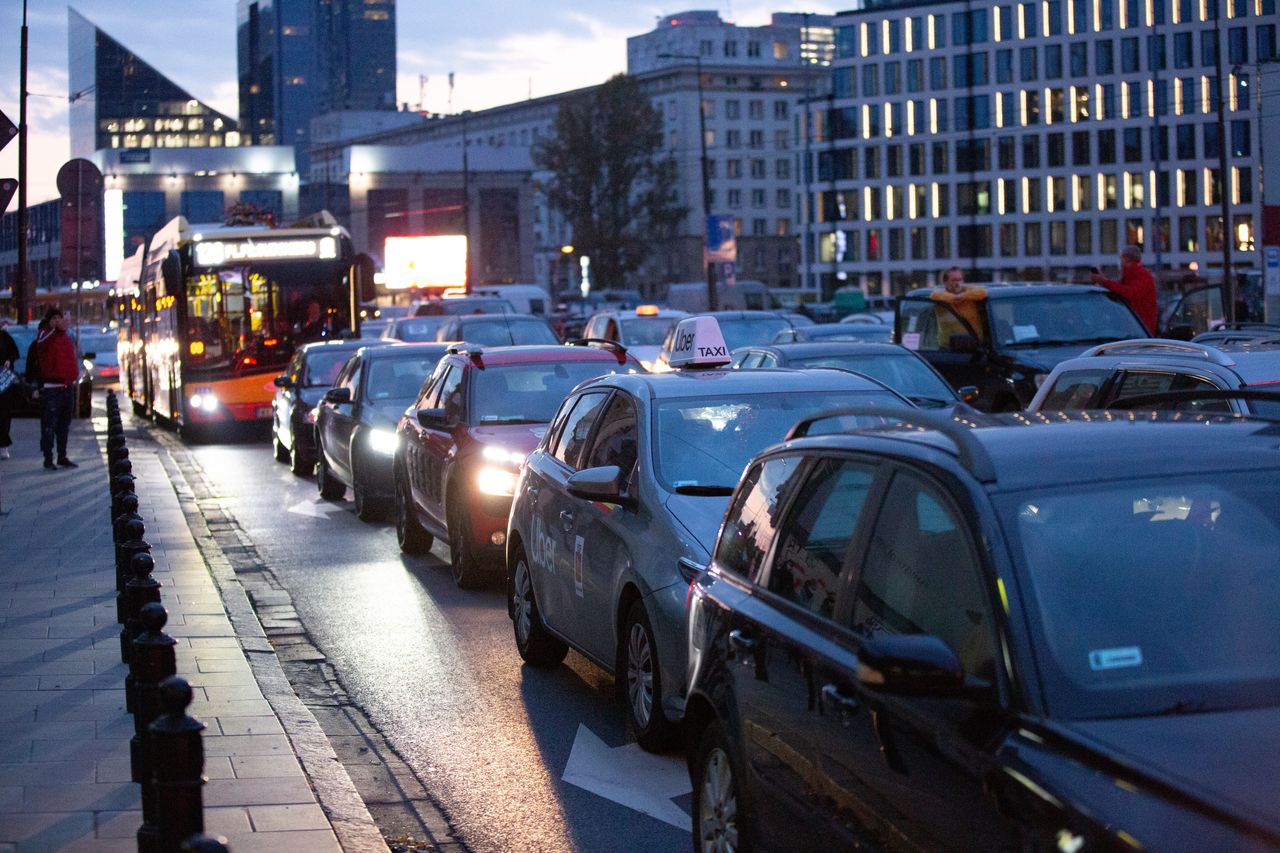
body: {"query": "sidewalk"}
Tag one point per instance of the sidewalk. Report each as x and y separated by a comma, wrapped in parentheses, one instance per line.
(64, 733)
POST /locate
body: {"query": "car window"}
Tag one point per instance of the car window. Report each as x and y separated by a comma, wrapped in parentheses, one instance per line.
(617, 437)
(753, 516)
(1136, 382)
(921, 576)
(354, 371)
(294, 371)
(397, 379)
(814, 538)
(498, 332)
(907, 374)
(1075, 389)
(323, 367)
(919, 324)
(577, 428)
(768, 360)
(450, 398)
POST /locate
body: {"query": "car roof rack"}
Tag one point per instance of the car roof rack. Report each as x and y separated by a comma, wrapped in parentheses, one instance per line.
(1128, 403)
(969, 451)
(1243, 326)
(618, 349)
(1169, 347)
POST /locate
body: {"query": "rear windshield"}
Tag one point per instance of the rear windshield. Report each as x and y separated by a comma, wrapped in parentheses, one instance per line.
(417, 329)
(324, 366)
(500, 332)
(751, 331)
(906, 374)
(645, 331)
(531, 393)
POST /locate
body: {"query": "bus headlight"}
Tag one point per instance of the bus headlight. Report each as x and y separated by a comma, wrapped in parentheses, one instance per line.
(383, 441)
(496, 481)
(204, 402)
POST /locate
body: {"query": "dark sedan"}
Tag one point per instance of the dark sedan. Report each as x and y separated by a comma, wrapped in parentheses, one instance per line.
(954, 636)
(310, 373)
(356, 438)
(498, 330)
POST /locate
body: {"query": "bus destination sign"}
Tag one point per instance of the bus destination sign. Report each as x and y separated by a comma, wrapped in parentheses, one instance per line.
(216, 253)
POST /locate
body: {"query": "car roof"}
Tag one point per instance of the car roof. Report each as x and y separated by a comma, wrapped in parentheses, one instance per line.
(1009, 451)
(740, 315)
(700, 383)
(820, 349)
(489, 318)
(541, 354)
(399, 348)
(1014, 290)
(338, 345)
(1251, 362)
(628, 314)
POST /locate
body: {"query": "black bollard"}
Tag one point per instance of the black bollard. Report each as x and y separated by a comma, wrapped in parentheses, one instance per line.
(129, 507)
(177, 771)
(117, 449)
(120, 486)
(133, 543)
(141, 590)
(151, 662)
(121, 468)
(205, 844)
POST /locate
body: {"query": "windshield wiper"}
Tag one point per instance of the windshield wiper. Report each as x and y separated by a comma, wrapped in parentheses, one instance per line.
(705, 491)
(931, 402)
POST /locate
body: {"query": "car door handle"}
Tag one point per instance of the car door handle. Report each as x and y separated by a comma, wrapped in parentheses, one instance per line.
(566, 520)
(741, 641)
(532, 493)
(845, 704)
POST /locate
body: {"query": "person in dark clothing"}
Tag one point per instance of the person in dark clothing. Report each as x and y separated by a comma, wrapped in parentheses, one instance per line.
(1136, 287)
(56, 353)
(9, 356)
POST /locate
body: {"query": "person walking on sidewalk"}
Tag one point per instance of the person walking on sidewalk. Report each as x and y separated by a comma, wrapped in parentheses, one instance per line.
(56, 353)
(9, 355)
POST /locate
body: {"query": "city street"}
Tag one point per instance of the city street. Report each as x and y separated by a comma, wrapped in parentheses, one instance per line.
(518, 758)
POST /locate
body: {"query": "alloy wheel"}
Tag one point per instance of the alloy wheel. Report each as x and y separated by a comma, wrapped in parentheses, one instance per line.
(718, 806)
(522, 600)
(640, 674)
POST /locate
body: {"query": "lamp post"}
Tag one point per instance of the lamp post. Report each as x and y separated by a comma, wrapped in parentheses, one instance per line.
(1224, 180)
(712, 302)
(468, 281)
(23, 291)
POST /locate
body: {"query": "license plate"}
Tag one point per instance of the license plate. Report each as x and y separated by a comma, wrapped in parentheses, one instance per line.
(264, 411)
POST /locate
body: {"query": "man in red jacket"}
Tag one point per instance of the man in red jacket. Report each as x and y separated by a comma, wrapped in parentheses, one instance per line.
(1136, 287)
(58, 373)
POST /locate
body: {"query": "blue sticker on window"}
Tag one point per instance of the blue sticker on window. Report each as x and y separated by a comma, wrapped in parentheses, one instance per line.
(1115, 658)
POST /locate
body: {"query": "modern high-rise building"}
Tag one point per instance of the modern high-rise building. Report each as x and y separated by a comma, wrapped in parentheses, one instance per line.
(118, 100)
(298, 59)
(1033, 140)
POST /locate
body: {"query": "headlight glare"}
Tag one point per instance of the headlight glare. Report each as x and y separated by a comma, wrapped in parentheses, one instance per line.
(500, 455)
(383, 441)
(496, 481)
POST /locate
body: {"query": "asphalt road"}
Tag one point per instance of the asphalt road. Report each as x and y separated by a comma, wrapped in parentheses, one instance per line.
(437, 671)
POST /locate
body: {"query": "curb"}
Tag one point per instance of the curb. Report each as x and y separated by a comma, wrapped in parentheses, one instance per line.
(336, 793)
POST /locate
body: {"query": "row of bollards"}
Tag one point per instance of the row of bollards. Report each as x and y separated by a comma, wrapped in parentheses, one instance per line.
(166, 752)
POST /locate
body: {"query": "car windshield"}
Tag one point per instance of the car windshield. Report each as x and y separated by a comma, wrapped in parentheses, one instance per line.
(645, 331)
(1153, 596)
(373, 328)
(416, 329)
(849, 332)
(324, 366)
(531, 393)
(500, 332)
(906, 374)
(751, 331)
(707, 442)
(392, 380)
(1087, 317)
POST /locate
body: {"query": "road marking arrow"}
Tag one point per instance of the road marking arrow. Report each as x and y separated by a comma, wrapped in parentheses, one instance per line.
(315, 509)
(629, 776)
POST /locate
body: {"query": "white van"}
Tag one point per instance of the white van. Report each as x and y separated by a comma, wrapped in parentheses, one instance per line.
(527, 298)
(746, 295)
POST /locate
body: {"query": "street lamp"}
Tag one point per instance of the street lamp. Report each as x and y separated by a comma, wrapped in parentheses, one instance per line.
(712, 302)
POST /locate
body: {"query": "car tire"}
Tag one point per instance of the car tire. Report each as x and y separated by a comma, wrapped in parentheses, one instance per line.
(717, 795)
(534, 642)
(330, 488)
(282, 455)
(301, 464)
(368, 509)
(642, 682)
(462, 555)
(412, 537)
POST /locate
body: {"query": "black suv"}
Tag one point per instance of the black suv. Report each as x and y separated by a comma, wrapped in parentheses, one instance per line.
(1026, 329)
(950, 634)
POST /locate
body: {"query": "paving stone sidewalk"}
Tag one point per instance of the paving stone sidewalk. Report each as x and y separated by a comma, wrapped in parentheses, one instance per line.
(64, 732)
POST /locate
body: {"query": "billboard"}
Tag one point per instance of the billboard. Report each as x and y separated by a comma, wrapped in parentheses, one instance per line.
(439, 261)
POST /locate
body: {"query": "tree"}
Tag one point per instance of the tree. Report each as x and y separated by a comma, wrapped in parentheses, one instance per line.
(612, 181)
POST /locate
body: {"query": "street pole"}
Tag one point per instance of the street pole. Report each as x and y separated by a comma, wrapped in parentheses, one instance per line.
(466, 200)
(1228, 282)
(806, 115)
(712, 302)
(22, 278)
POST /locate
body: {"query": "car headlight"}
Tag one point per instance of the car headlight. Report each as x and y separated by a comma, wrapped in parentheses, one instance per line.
(493, 453)
(383, 441)
(88, 365)
(205, 402)
(496, 481)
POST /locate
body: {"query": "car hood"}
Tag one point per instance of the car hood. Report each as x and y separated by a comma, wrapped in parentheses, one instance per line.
(700, 516)
(1045, 358)
(1225, 759)
(522, 438)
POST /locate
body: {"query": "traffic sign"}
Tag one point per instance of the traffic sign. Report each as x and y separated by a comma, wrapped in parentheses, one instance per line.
(80, 183)
(722, 244)
(8, 130)
(1271, 284)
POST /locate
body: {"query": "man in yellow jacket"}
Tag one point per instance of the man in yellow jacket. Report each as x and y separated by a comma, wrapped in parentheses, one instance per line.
(965, 300)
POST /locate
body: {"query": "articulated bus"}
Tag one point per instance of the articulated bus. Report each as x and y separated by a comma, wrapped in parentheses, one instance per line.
(208, 316)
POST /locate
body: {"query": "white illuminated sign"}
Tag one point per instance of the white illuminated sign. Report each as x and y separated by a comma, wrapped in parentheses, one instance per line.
(113, 231)
(439, 261)
(216, 253)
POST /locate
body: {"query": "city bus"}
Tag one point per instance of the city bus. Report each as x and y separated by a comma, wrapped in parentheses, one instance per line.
(209, 316)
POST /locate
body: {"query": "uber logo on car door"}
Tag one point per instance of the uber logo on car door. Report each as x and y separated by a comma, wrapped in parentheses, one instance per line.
(577, 565)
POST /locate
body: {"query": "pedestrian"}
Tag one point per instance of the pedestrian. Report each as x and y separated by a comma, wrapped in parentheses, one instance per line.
(56, 355)
(1136, 287)
(9, 355)
(965, 300)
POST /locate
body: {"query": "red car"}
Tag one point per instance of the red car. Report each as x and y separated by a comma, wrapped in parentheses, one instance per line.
(464, 439)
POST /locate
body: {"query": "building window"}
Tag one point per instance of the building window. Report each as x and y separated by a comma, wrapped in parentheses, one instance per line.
(784, 198)
(755, 139)
(940, 159)
(735, 198)
(759, 228)
(1029, 67)
(1031, 238)
(1080, 148)
(941, 242)
(1240, 139)
(973, 198)
(1079, 57)
(780, 110)
(1134, 232)
(1053, 62)
(1238, 45)
(1188, 239)
(782, 169)
(1208, 48)
(873, 244)
(1266, 38)
(1008, 239)
(733, 138)
(1057, 238)
(1004, 66)
(733, 168)
(919, 244)
(755, 110)
(730, 48)
(1108, 240)
(1133, 145)
(892, 78)
(1183, 50)
(1156, 58)
(870, 81)
(757, 198)
(916, 158)
(1103, 58)
(895, 244)
(757, 169)
(1006, 148)
(1106, 146)
(753, 49)
(1031, 151)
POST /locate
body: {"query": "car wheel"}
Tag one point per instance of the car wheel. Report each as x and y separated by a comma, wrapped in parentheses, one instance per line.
(462, 555)
(282, 455)
(330, 488)
(368, 509)
(301, 464)
(533, 641)
(643, 682)
(717, 796)
(412, 537)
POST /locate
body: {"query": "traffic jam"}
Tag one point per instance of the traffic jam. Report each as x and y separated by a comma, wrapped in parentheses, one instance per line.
(993, 577)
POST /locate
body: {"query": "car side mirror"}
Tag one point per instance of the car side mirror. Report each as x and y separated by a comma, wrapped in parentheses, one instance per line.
(1181, 332)
(90, 356)
(910, 665)
(433, 418)
(282, 381)
(968, 393)
(603, 484)
(338, 396)
(963, 343)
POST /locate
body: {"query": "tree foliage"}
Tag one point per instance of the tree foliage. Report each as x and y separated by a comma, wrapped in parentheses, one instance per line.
(612, 180)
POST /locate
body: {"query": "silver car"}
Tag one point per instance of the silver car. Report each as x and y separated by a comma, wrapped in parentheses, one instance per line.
(617, 509)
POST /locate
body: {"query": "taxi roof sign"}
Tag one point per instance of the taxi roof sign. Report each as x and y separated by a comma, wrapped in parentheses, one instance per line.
(698, 343)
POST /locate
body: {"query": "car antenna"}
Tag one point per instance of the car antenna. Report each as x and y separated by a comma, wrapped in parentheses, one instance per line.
(507, 321)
